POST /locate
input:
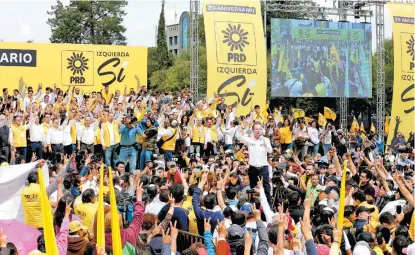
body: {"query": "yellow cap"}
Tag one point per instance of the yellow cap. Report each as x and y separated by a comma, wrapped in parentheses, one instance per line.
(75, 226)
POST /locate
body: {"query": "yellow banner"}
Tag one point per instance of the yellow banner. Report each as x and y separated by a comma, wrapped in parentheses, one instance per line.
(403, 105)
(88, 66)
(236, 55)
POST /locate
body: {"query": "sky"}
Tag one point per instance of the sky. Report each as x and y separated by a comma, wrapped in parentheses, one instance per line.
(22, 20)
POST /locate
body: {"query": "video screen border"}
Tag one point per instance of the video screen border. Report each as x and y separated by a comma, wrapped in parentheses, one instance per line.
(315, 58)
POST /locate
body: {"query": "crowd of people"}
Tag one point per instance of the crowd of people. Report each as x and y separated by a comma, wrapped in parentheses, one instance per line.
(322, 68)
(197, 178)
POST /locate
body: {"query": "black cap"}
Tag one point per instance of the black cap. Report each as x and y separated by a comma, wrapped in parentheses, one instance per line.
(239, 218)
(331, 178)
(364, 209)
(348, 210)
(365, 236)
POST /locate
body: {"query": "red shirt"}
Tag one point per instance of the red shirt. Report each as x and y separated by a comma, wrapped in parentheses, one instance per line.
(176, 178)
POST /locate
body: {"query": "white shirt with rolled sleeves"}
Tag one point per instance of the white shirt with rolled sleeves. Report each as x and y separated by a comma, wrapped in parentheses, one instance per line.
(258, 149)
(55, 136)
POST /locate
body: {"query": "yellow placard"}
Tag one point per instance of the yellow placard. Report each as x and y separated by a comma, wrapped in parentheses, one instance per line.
(87, 66)
(403, 105)
(236, 55)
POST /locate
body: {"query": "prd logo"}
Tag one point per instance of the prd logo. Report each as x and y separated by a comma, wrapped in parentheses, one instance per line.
(236, 38)
(411, 51)
(77, 68)
(78, 63)
(235, 43)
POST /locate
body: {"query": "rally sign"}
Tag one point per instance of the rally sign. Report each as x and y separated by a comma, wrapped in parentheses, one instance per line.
(403, 26)
(236, 52)
(87, 66)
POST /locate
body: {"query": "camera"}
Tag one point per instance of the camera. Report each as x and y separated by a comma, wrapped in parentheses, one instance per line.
(276, 177)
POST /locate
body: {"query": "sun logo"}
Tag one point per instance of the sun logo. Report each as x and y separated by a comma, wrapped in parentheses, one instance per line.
(235, 37)
(411, 47)
(77, 63)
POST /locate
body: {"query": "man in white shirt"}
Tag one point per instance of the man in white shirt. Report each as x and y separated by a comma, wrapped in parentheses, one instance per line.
(50, 94)
(300, 137)
(37, 136)
(85, 138)
(30, 98)
(258, 148)
(54, 139)
(108, 147)
(46, 101)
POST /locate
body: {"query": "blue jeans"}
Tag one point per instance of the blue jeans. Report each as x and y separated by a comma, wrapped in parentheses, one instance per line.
(315, 148)
(37, 148)
(168, 156)
(22, 151)
(144, 157)
(326, 148)
(111, 157)
(131, 154)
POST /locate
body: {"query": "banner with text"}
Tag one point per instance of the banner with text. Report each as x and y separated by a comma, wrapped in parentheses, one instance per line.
(236, 55)
(403, 105)
(88, 66)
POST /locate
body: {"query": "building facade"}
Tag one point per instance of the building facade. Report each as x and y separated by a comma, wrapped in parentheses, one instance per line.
(177, 35)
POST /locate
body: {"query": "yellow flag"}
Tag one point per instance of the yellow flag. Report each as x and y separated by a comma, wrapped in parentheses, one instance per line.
(334, 54)
(362, 127)
(115, 224)
(355, 125)
(100, 213)
(372, 128)
(342, 198)
(329, 114)
(308, 120)
(298, 113)
(284, 66)
(48, 229)
(387, 122)
(322, 120)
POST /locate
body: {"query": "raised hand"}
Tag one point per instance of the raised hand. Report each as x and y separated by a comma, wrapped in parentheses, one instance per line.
(260, 182)
(207, 225)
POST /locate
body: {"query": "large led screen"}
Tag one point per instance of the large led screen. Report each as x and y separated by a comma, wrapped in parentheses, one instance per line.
(312, 58)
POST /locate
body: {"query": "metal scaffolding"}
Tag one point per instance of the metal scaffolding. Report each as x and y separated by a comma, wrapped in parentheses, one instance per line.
(344, 101)
(380, 68)
(194, 49)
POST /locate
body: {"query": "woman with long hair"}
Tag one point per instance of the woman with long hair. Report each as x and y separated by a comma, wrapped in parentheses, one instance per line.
(286, 135)
(60, 212)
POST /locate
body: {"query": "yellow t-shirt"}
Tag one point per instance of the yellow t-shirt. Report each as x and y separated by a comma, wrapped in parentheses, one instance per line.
(31, 205)
(187, 205)
(379, 251)
(86, 212)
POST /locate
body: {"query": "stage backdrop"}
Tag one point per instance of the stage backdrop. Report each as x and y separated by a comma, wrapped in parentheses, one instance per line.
(236, 55)
(402, 117)
(320, 59)
(88, 66)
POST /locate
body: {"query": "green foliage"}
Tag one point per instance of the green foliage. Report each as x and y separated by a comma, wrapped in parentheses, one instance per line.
(176, 76)
(95, 22)
(163, 55)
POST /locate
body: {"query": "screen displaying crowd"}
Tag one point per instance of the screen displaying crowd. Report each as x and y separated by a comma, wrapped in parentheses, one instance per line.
(320, 59)
(197, 178)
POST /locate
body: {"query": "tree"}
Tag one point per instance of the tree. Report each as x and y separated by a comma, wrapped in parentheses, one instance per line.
(95, 22)
(163, 56)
